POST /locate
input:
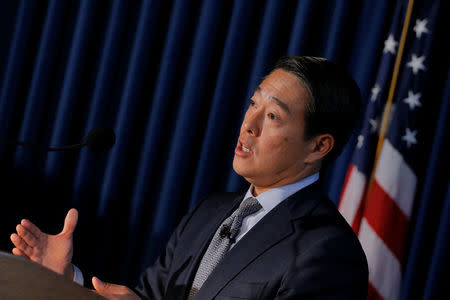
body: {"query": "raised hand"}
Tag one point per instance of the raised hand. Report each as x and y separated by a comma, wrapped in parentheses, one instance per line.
(51, 251)
(113, 291)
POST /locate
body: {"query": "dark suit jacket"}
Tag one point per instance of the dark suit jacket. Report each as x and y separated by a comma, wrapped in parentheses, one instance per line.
(302, 249)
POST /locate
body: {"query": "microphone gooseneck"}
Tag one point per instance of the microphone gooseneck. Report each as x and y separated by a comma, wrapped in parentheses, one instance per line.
(97, 140)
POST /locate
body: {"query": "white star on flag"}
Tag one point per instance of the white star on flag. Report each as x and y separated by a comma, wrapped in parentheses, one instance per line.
(375, 91)
(416, 63)
(360, 141)
(420, 27)
(390, 44)
(410, 137)
(374, 125)
(413, 100)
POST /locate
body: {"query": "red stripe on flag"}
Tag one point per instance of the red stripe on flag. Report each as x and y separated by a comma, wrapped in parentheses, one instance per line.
(356, 222)
(387, 219)
(359, 214)
(372, 293)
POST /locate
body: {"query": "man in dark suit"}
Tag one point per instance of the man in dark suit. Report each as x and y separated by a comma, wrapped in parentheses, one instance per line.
(283, 239)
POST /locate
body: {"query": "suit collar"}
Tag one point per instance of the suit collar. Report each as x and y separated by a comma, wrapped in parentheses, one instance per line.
(272, 229)
(271, 198)
(304, 201)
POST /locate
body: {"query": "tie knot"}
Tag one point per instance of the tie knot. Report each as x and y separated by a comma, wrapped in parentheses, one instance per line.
(248, 207)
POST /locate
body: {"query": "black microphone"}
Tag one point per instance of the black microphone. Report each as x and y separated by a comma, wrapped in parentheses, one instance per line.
(97, 140)
(225, 231)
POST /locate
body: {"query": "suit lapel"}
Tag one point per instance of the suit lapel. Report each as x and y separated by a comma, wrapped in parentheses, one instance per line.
(269, 231)
(202, 237)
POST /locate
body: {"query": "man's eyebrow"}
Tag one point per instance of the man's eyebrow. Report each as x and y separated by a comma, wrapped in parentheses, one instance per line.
(277, 101)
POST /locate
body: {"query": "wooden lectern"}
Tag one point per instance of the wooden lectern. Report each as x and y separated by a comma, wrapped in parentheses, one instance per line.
(21, 278)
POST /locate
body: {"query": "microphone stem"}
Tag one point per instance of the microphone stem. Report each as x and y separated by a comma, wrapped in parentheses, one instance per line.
(71, 147)
(42, 148)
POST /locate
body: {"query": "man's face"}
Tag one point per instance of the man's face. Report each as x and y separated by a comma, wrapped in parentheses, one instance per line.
(271, 149)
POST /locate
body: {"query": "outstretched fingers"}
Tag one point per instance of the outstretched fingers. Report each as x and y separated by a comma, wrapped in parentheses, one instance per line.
(18, 252)
(31, 227)
(21, 245)
(27, 236)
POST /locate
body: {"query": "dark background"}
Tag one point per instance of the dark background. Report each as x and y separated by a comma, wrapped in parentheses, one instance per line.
(173, 79)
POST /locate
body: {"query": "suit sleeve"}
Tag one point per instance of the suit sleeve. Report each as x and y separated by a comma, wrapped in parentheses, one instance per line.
(334, 267)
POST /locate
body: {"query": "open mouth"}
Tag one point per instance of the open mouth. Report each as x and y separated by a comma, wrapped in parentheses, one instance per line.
(245, 149)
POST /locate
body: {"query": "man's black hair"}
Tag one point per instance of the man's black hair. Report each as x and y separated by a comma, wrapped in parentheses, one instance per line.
(335, 100)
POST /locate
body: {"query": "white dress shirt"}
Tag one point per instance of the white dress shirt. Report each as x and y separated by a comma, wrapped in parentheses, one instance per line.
(77, 275)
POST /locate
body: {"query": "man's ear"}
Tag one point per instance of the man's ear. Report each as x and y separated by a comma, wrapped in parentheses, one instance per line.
(319, 146)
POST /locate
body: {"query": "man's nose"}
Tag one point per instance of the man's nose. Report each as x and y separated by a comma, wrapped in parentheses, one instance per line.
(252, 124)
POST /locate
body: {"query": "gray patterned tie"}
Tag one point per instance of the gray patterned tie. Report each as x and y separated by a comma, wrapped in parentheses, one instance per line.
(221, 242)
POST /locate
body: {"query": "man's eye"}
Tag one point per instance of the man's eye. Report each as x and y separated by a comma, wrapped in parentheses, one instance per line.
(272, 116)
(252, 103)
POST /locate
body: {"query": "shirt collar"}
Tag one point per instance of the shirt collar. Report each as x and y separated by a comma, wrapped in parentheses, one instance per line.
(271, 198)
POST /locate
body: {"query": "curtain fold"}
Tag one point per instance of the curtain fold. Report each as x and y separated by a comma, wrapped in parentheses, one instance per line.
(13, 76)
(424, 262)
(218, 144)
(69, 98)
(87, 176)
(37, 99)
(188, 127)
(118, 179)
(170, 73)
(435, 286)
(303, 20)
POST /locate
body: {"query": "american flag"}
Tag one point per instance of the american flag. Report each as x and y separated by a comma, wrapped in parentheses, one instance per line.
(379, 211)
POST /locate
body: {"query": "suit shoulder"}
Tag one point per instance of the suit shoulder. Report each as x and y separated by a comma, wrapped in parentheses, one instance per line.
(326, 221)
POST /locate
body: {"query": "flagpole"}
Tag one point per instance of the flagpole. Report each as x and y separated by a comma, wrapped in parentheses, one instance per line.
(398, 60)
(387, 108)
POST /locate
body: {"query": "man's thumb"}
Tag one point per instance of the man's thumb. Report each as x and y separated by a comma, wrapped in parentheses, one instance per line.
(99, 285)
(106, 287)
(70, 222)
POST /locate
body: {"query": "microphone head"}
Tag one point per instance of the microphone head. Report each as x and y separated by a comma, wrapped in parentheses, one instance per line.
(100, 139)
(225, 231)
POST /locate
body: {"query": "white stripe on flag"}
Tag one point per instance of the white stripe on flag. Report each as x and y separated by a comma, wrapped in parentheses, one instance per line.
(384, 268)
(353, 193)
(396, 177)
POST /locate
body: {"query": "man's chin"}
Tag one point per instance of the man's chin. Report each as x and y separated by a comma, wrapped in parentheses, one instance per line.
(245, 173)
(239, 167)
(236, 169)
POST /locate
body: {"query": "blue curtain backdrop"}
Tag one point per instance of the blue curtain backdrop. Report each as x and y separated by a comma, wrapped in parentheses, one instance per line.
(173, 78)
